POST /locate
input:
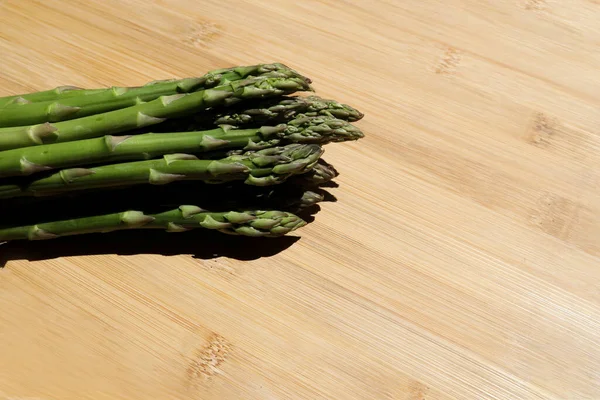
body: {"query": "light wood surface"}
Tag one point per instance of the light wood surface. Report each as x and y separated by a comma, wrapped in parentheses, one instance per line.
(461, 261)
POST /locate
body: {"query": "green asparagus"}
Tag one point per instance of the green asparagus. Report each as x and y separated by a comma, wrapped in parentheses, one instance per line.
(30, 160)
(294, 195)
(61, 92)
(150, 113)
(286, 108)
(234, 146)
(207, 195)
(261, 168)
(121, 97)
(262, 112)
(66, 92)
(320, 174)
(183, 218)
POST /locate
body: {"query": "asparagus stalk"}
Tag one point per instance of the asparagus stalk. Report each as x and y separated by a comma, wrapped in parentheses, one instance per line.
(183, 218)
(320, 174)
(61, 92)
(294, 195)
(286, 108)
(263, 112)
(29, 160)
(260, 168)
(233, 197)
(205, 194)
(120, 97)
(150, 113)
(66, 92)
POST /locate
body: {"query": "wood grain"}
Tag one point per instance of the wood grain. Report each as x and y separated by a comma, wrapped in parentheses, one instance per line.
(461, 261)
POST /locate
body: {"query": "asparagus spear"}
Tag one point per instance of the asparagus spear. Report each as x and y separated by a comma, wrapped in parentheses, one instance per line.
(261, 168)
(294, 195)
(320, 174)
(205, 194)
(29, 160)
(150, 113)
(285, 108)
(61, 92)
(263, 112)
(183, 218)
(66, 92)
(120, 97)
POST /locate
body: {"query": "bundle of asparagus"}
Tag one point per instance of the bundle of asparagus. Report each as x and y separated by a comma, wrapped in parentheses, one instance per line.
(237, 150)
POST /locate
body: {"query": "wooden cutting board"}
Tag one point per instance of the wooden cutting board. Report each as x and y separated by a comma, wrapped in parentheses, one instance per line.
(461, 260)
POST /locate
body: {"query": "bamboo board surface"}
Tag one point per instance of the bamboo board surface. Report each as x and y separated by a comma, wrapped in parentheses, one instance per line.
(461, 260)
